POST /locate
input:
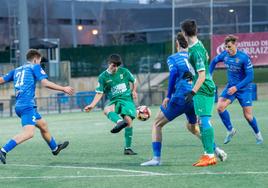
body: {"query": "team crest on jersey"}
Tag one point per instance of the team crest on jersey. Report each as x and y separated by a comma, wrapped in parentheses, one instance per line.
(121, 76)
(42, 71)
(237, 60)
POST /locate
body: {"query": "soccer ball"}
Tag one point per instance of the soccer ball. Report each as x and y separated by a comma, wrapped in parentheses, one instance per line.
(143, 113)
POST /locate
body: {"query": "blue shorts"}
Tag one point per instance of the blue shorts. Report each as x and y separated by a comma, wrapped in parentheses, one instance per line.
(243, 96)
(176, 107)
(28, 115)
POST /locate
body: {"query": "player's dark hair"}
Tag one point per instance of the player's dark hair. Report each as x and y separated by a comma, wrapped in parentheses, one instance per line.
(33, 53)
(189, 26)
(115, 58)
(181, 40)
(230, 38)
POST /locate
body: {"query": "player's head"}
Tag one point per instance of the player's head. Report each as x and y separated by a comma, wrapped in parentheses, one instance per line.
(114, 62)
(189, 27)
(34, 56)
(230, 44)
(181, 41)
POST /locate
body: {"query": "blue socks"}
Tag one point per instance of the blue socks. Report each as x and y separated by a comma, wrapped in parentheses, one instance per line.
(52, 144)
(10, 145)
(157, 148)
(225, 117)
(254, 125)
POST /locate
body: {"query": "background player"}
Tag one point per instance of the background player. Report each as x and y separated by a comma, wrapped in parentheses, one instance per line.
(240, 75)
(25, 78)
(115, 83)
(180, 83)
(203, 91)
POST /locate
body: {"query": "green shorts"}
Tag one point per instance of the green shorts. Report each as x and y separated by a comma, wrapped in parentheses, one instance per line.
(125, 107)
(203, 105)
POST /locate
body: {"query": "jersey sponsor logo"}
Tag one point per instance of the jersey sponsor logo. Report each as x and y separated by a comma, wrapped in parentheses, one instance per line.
(118, 89)
(108, 81)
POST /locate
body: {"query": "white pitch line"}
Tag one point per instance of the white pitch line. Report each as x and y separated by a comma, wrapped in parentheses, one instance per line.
(135, 175)
(87, 167)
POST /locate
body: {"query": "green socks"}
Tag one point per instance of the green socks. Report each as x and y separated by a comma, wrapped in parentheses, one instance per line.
(208, 140)
(114, 117)
(128, 136)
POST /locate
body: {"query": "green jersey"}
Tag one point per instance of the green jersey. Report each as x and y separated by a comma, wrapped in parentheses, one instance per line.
(198, 58)
(117, 85)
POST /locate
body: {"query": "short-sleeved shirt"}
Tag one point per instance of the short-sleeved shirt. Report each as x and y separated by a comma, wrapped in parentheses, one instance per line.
(199, 59)
(117, 85)
(25, 78)
(237, 67)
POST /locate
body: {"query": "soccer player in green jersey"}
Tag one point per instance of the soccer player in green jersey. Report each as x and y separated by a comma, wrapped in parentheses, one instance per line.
(203, 91)
(119, 85)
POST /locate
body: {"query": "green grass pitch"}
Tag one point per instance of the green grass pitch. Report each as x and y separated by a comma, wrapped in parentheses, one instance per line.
(95, 157)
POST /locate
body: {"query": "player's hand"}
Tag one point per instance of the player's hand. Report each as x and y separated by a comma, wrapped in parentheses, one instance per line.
(88, 108)
(232, 90)
(165, 102)
(134, 95)
(189, 96)
(69, 90)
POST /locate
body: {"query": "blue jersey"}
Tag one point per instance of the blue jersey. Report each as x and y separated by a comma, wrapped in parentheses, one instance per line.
(178, 66)
(25, 78)
(239, 68)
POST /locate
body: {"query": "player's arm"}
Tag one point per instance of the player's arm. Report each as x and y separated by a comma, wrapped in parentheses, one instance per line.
(7, 78)
(95, 101)
(201, 71)
(248, 67)
(200, 80)
(2, 80)
(215, 61)
(134, 90)
(171, 82)
(41, 76)
(50, 85)
(98, 96)
(134, 84)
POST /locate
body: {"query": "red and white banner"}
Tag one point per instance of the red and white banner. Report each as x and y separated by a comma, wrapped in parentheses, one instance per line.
(254, 44)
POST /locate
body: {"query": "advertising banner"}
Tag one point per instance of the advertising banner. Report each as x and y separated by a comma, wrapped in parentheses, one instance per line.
(254, 44)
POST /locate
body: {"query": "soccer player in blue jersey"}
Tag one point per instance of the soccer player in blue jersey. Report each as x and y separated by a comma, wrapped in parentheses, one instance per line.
(25, 78)
(174, 105)
(240, 75)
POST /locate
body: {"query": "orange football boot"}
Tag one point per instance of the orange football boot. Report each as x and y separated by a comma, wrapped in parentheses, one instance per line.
(205, 160)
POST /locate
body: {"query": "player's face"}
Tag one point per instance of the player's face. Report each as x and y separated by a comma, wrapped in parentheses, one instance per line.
(37, 60)
(231, 48)
(113, 67)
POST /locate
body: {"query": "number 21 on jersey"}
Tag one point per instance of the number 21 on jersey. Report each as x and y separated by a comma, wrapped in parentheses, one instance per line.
(20, 77)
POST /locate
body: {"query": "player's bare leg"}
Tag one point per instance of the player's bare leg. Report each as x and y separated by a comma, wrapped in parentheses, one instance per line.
(41, 124)
(159, 123)
(26, 134)
(225, 117)
(247, 110)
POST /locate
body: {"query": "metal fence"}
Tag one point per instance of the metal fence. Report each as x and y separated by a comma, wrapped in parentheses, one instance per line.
(62, 103)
